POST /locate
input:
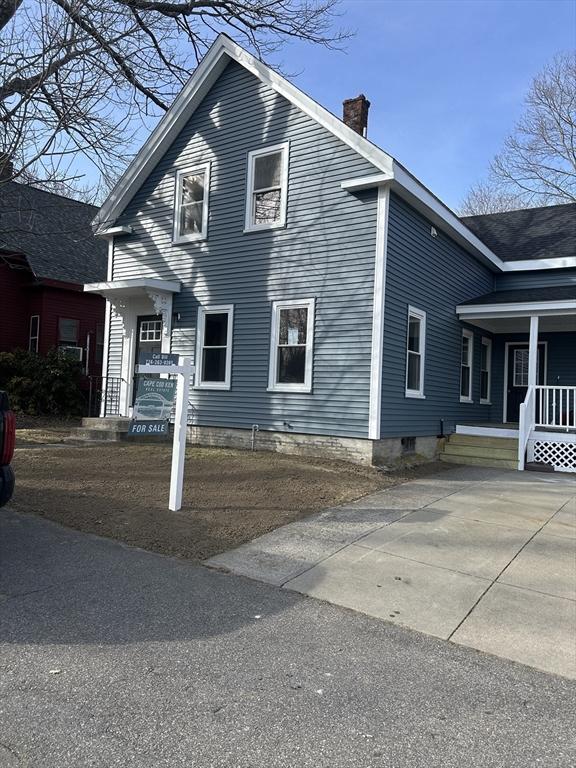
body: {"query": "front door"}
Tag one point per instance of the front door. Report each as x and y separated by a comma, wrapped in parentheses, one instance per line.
(148, 339)
(517, 385)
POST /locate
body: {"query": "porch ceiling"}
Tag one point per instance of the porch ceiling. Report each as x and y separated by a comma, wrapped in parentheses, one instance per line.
(133, 287)
(547, 324)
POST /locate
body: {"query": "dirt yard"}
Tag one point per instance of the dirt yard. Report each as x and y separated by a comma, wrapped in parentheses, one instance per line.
(38, 430)
(230, 497)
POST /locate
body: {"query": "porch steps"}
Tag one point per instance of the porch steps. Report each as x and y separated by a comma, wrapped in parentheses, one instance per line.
(480, 450)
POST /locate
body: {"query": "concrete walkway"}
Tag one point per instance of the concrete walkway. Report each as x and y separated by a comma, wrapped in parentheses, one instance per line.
(481, 557)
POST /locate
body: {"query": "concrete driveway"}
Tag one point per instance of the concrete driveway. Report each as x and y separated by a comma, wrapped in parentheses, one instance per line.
(480, 557)
(112, 656)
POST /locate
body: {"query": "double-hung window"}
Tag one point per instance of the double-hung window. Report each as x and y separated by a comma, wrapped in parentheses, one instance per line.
(67, 332)
(415, 344)
(485, 370)
(34, 334)
(191, 204)
(466, 366)
(291, 346)
(267, 191)
(68, 335)
(214, 347)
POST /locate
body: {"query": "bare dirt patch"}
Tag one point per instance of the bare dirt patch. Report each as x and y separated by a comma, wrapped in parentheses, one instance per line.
(230, 497)
(40, 430)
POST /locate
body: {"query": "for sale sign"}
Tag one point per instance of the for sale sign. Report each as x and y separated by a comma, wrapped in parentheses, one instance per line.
(148, 428)
(154, 398)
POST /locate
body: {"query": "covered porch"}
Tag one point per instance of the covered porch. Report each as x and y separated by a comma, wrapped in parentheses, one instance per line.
(532, 372)
(139, 317)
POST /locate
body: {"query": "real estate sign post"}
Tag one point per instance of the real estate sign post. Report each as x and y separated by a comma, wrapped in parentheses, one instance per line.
(153, 405)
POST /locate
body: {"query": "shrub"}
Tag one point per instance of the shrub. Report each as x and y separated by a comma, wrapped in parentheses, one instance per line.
(42, 386)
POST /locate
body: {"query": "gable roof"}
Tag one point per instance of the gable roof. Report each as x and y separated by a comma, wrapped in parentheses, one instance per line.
(529, 234)
(53, 232)
(387, 170)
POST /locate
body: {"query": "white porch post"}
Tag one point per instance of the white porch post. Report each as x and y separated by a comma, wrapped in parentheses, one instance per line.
(533, 352)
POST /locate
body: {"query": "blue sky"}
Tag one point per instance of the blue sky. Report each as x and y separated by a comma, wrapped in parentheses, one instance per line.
(446, 78)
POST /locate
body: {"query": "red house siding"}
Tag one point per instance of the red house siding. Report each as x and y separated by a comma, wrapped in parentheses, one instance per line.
(14, 308)
(88, 309)
(22, 296)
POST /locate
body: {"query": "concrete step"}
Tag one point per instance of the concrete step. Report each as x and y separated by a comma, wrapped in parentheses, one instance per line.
(98, 434)
(489, 442)
(479, 461)
(114, 423)
(482, 451)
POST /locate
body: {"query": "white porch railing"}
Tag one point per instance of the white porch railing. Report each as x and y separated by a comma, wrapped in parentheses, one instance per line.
(555, 407)
(526, 424)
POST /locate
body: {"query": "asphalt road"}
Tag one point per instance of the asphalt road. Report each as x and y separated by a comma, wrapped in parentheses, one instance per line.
(111, 656)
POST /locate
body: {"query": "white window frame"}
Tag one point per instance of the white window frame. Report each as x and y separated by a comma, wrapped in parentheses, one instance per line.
(201, 325)
(486, 342)
(306, 386)
(195, 170)
(35, 339)
(469, 335)
(420, 315)
(284, 148)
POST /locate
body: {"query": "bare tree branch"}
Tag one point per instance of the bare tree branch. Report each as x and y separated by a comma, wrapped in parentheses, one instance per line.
(537, 165)
(79, 78)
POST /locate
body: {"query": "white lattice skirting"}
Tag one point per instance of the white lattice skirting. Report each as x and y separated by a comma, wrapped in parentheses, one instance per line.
(561, 455)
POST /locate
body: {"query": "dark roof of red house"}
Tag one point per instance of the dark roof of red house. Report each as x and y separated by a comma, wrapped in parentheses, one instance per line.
(531, 233)
(53, 232)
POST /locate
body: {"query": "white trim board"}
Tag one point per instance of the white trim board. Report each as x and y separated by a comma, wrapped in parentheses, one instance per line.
(377, 352)
(466, 429)
(553, 437)
(515, 309)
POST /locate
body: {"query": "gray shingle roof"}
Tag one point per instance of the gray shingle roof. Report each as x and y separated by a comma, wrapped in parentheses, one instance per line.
(551, 293)
(532, 233)
(53, 232)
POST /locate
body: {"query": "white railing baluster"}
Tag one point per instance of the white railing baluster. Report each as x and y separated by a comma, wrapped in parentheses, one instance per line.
(555, 407)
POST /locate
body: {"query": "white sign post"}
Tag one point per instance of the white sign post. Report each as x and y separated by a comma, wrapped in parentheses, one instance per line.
(184, 370)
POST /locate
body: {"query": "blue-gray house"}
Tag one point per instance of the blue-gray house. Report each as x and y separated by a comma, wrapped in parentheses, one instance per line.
(331, 303)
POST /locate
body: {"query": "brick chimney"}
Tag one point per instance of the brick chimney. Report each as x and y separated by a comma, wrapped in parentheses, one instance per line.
(355, 114)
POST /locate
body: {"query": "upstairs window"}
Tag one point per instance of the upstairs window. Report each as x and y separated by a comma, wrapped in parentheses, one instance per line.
(214, 347)
(485, 370)
(415, 352)
(267, 188)
(466, 367)
(191, 207)
(292, 346)
(34, 334)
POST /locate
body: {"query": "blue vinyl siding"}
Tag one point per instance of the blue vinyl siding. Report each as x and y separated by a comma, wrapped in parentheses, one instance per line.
(326, 251)
(544, 278)
(434, 275)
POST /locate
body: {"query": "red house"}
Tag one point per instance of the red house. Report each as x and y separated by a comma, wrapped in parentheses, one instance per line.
(47, 253)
